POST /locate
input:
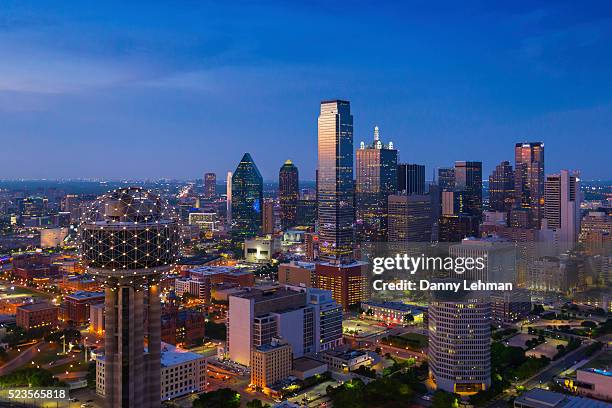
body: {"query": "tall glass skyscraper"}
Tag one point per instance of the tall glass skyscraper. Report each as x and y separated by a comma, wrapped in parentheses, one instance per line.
(376, 166)
(529, 178)
(468, 179)
(501, 187)
(335, 181)
(288, 194)
(410, 178)
(247, 198)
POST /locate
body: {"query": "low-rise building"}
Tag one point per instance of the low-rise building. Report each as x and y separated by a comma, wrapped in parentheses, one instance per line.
(595, 383)
(345, 360)
(36, 316)
(297, 274)
(508, 307)
(393, 312)
(76, 305)
(305, 367)
(541, 398)
(261, 249)
(182, 373)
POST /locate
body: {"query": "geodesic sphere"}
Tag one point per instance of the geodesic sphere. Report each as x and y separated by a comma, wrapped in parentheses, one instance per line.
(129, 231)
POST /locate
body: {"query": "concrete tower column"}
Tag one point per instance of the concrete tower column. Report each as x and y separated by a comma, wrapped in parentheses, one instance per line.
(154, 356)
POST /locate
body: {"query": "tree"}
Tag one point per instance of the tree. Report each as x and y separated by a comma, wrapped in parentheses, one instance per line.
(222, 398)
(408, 318)
(256, 404)
(443, 399)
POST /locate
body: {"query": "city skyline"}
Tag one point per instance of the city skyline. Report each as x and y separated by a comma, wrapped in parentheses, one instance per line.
(134, 86)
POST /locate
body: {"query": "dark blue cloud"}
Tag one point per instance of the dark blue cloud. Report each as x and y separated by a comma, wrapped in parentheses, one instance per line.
(96, 89)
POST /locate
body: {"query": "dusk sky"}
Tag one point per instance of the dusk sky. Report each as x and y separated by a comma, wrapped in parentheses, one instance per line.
(175, 89)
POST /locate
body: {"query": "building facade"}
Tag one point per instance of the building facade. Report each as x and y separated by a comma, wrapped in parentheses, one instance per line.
(288, 194)
(335, 181)
(376, 167)
(529, 179)
(246, 198)
(501, 188)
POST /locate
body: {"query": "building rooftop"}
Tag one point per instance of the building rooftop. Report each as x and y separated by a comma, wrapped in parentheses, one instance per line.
(84, 295)
(267, 294)
(540, 398)
(305, 364)
(402, 307)
(218, 270)
(33, 307)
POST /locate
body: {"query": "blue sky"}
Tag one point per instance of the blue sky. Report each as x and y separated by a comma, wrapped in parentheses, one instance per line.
(173, 89)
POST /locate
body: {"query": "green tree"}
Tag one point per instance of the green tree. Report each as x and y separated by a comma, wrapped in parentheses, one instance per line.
(256, 404)
(222, 398)
(443, 399)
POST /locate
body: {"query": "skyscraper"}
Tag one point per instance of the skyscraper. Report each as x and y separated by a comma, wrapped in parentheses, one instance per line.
(335, 181)
(459, 342)
(288, 194)
(247, 198)
(446, 178)
(529, 178)
(501, 188)
(210, 185)
(268, 216)
(562, 198)
(410, 178)
(410, 218)
(128, 239)
(228, 200)
(376, 166)
(468, 178)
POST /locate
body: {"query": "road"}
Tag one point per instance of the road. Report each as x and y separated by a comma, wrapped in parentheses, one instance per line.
(25, 357)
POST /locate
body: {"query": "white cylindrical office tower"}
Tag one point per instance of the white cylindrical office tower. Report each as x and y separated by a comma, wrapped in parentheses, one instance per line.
(459, 342)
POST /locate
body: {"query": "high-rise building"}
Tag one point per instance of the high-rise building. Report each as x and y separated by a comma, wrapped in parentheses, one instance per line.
(271, 363)
(410, 178)
(346, 282)
(410, 218)
(288, 194)
(468, 178)
(446, 178)
(128, 239)
(376, 166)
(247, 198)
(460, 342)
(268, 216)
(501, 188)
(306, 318)
(529, 178)
(596, 232)
(210, 185)
(453, 228)
(335, 181)
(306, 212)
(562, 198)
(228, 200)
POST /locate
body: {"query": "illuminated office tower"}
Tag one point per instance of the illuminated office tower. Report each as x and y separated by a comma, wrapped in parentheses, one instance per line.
(562, 198)
(129, 238)
(335, 181)
(529, 179)
(228, 200)
(410, 178)
(501, 188)
(410, 218)
(247, 198)
(376, 166)
(210, 185)
(268, 216)
(446, 178)
(288, 194)
(460, 342)
(468, 179)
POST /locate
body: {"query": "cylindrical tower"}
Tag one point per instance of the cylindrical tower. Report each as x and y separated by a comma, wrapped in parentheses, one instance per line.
(129, 237)
(459, 342)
